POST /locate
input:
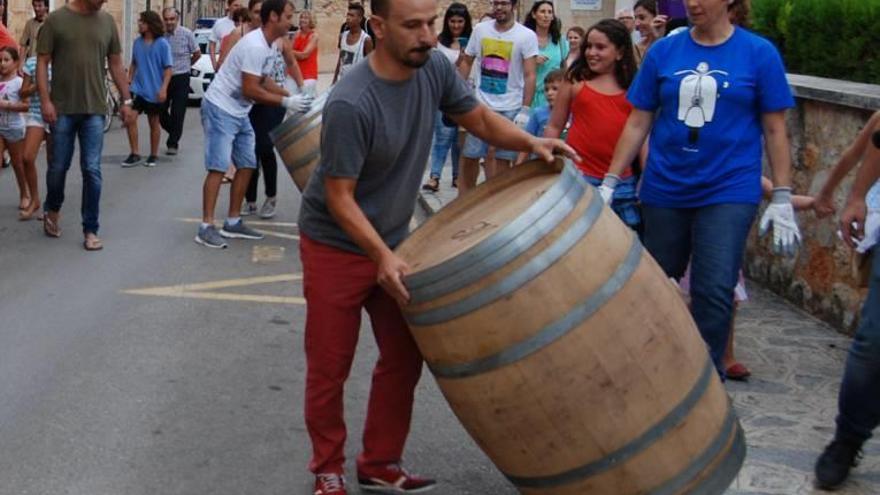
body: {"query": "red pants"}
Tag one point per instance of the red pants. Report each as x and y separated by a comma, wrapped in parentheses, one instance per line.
(337, 285)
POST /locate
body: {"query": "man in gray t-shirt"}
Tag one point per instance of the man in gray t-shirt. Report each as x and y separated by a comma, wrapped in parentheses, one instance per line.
(375, 141)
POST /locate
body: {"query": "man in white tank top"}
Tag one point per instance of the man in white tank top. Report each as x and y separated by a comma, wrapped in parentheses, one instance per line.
(354, 43)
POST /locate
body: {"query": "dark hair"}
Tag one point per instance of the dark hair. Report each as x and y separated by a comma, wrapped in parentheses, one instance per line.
(12, 51)
(455, 9)
(251, 4)
(379, 7)
(241, 15)
(229, 2)
(270, 6)
(359, 7)
(153, 22)
(739, 11)
(44, 2)
(624, 69)
(649, 5)
(555, 26)
(555, 75)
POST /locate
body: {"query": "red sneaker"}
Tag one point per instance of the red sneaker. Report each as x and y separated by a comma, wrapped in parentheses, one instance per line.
(329, 484)
(393, 479)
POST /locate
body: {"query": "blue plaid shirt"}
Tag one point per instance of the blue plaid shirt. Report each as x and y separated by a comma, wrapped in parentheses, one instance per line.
(183, 45)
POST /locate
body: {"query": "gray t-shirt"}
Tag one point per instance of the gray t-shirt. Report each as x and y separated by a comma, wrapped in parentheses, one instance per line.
(379, 132)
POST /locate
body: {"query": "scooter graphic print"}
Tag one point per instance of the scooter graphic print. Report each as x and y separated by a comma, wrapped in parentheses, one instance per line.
(697, 97)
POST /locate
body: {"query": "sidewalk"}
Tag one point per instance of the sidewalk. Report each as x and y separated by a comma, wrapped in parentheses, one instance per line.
(787, 407)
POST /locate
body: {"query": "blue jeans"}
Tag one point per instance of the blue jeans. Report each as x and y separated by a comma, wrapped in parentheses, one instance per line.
(624, 202)
(713, 238)
(90, 130)
(859, 399)
(445, 140)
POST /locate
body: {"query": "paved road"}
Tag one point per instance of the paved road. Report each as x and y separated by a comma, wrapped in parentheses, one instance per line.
(191, 382)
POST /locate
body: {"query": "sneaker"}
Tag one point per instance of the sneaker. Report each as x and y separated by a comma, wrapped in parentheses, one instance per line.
(209, 237)
(329, 484)
(131, 161)
(393, 479)
(433, 184)
(268, 208)
(151, 161)
(171, 151)
(239, 231)
(248, 209)
(834, 464)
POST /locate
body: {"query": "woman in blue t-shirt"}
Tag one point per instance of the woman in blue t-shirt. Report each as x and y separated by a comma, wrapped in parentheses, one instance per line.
(709, 98)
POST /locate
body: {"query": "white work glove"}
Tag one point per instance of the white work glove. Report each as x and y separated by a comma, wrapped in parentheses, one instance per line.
(522, 118)
(780, 213)
(606, 189)
(297, 103)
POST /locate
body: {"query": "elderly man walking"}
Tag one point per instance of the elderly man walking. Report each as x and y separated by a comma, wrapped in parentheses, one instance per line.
(184, 53)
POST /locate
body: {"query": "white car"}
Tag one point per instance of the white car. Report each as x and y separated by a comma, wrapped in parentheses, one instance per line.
(202, 72)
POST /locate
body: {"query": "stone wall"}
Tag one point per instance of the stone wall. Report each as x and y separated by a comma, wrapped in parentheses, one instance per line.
(828, 116)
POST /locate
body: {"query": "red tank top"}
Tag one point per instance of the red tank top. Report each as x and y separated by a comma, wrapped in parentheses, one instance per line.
(309, 66)
(597, 120)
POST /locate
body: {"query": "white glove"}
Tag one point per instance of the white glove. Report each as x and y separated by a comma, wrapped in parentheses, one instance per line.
(872, 232)
(297, 103)
(606, 189)
(522, 118)
(786, 234)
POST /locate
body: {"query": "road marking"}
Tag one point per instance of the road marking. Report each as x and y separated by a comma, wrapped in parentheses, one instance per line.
(261, 223)
(267, 254)
(202, 290)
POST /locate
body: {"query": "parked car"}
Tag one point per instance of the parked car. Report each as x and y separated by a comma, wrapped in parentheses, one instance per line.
(202, 72)
(205, 22)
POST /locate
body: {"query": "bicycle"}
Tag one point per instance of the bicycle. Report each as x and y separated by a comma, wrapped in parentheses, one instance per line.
(112, 100)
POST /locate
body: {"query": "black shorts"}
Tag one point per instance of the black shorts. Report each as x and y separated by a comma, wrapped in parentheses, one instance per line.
(141, 105)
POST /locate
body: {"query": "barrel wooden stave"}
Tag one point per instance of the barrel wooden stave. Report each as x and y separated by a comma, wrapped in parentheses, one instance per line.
(572, 402)
(626, 385)
(298, 141)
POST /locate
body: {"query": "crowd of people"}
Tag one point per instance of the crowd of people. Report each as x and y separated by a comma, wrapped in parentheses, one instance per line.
(668, 123)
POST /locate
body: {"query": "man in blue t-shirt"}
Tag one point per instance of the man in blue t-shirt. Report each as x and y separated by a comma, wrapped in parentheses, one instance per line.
(150, 74)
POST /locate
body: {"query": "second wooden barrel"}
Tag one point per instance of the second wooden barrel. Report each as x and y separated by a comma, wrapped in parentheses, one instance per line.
(298, 141)
(562, 347)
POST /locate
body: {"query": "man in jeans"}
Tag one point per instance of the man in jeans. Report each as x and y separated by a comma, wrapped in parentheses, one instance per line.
(506, 51)
(859, 400)
(77, 40)
(184, 53)
(244, 79)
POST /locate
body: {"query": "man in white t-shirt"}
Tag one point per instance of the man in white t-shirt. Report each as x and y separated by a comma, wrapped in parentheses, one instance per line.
(221, 28)
(243, 79)
(505, 52)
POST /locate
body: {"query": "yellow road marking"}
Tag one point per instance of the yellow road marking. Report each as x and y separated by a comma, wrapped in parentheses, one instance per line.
(262, 223)
(267, 254)
(201, 290)
(272, 233)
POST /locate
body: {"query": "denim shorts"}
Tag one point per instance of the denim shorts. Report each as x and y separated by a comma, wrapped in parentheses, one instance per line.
(227, 137)
(12, 134)
(474, 147)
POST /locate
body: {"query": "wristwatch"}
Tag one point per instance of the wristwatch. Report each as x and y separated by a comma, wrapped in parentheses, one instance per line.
(128, 102)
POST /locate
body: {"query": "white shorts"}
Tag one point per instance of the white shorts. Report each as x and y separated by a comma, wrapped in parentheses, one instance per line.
(32, 121)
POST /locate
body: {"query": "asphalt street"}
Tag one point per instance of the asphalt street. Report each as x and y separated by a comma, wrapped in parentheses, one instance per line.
(157, 366)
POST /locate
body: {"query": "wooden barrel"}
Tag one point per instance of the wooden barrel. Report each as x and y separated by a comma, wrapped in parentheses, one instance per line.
(562, 347)
(298, 141)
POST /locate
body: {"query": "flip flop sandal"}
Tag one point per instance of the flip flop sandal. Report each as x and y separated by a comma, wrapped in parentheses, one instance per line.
(738, 372)
(93, 244)
(50, 228)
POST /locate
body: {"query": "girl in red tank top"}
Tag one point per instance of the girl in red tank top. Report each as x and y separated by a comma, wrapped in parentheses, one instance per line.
(593, 96)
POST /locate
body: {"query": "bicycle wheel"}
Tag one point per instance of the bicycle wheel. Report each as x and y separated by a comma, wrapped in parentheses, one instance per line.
(111, 110)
